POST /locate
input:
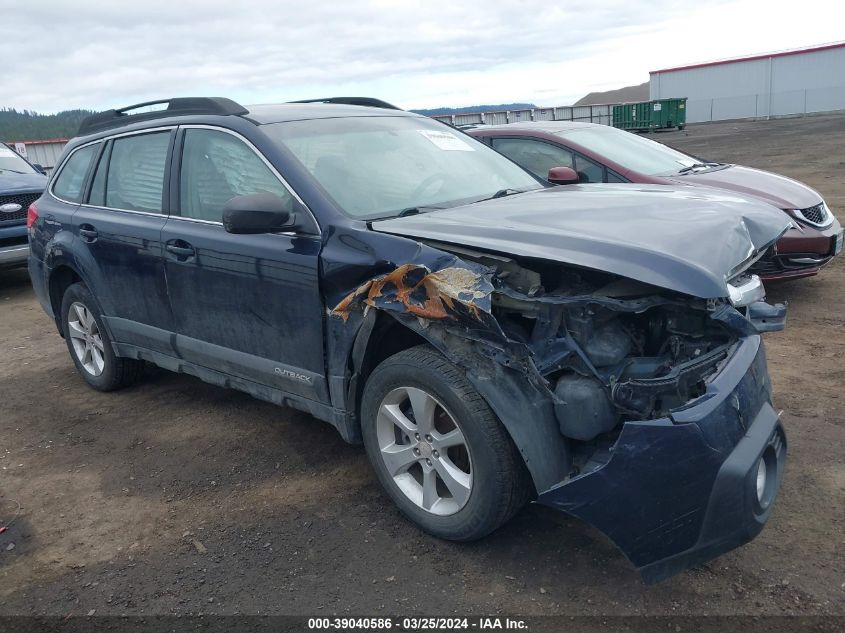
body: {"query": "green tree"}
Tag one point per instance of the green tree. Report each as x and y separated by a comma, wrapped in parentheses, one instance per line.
(30, 126)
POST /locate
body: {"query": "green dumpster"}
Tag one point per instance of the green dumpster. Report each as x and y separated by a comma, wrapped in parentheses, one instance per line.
(659, 114)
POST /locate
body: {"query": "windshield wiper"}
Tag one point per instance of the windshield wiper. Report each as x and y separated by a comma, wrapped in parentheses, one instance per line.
(501, 193)
(689, 168)
(415, 211)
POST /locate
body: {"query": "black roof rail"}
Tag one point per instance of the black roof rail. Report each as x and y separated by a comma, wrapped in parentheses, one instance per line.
(175, 107)
(358, 101)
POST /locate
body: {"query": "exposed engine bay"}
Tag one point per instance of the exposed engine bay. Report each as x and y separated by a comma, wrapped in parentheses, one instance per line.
(610, 349)
(604, 349)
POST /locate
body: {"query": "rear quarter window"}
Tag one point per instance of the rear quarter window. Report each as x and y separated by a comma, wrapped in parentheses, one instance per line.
(71, 179)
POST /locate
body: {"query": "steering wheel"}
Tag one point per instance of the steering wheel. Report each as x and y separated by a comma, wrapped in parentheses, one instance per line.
(427, 183)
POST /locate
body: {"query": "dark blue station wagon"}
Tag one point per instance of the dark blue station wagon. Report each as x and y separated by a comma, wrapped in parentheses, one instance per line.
(489, 339)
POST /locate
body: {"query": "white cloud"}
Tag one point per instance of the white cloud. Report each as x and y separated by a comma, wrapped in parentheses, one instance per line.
(97, 53)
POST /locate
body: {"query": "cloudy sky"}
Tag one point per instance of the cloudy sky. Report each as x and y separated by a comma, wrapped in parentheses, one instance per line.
(107, 53)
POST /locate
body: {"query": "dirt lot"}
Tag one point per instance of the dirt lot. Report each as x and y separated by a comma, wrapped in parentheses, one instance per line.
(177, 497)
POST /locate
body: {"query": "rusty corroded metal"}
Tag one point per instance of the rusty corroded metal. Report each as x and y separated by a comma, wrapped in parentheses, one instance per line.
(421, 292)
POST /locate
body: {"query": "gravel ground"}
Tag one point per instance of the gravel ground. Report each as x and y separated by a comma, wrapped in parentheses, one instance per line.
(177, 497)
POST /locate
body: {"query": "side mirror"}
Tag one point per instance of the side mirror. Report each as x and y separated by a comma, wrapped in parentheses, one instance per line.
(563, 176)
(257, 213)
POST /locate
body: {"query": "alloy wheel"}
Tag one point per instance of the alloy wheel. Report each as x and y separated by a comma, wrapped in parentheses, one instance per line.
(85, 338)
(424, 450)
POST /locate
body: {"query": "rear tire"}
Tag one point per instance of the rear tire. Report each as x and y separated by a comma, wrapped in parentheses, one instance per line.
(479, 478)
(89, 344)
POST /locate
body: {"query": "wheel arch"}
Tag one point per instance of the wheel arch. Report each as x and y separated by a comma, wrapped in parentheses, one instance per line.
(60, 279)
(526, 413)
(379, 337)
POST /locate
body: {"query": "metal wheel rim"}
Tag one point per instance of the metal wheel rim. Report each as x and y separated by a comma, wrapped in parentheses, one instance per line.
(424, 450)
(85, 339)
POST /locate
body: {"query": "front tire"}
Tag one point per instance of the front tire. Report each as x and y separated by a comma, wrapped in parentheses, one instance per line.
(438, 449)
(89, 344)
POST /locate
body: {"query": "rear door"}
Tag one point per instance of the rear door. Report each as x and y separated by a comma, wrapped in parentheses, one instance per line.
(244, 305)
(118, 233)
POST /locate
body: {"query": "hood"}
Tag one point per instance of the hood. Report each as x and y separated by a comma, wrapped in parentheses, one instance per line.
(11, 183)
(782, 192)
(683, 239)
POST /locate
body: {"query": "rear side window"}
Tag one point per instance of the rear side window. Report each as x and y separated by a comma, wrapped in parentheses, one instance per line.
(131, 175)
(71, 180)
(535, 156)
(216, 167)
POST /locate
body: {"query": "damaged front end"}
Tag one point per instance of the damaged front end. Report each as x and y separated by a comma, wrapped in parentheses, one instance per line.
(628, 402)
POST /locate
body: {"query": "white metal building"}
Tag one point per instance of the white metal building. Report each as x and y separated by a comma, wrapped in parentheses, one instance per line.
(44, 153)
(774, 84)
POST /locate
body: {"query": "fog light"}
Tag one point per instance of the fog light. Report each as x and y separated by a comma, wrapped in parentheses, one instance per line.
(761, 479)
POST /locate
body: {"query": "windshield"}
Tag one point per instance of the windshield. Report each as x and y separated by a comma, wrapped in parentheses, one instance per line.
(375, 167)
(10, 161)
(630, 151)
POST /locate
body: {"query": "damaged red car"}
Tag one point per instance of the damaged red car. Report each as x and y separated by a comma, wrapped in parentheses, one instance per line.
(489, 340)
(599, 153)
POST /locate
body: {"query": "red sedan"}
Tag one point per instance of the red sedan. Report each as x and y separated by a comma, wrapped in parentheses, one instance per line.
(599, 153)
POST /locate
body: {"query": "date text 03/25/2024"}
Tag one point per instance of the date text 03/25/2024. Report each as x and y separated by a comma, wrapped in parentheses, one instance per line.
(417, 624)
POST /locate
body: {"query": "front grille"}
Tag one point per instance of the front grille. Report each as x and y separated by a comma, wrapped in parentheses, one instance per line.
(772, 264)
(23, 199)
(766, 267)
(768, 264)
(817, 215)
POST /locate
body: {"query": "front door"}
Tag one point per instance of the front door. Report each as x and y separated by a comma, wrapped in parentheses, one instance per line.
(244, 305)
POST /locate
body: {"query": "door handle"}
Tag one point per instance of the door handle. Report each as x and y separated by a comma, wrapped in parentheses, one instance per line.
(180, 248)
(88, 233)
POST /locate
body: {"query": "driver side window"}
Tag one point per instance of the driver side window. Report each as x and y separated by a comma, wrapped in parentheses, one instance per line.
(216, 167)
(535, 156)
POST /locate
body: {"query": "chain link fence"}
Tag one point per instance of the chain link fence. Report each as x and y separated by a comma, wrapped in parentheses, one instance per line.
(761, 106)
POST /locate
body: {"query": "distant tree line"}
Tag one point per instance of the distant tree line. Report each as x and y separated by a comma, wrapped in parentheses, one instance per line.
(25, 125)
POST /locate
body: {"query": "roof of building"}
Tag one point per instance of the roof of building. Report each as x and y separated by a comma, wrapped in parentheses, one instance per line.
(734, 60)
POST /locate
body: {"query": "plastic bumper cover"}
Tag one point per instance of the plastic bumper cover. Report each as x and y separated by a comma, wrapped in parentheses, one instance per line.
(678, 492)
(13, 256)
(766, 317)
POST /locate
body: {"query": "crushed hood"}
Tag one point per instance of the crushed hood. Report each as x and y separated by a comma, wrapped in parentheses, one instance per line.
(686, 239)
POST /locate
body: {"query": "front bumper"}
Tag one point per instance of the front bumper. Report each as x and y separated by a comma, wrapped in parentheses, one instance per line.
(681, 490)
(14, 247)
(800, 253)
(13, 256)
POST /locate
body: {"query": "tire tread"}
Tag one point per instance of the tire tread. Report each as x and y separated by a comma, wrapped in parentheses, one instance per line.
(511, 474)
(124, 371)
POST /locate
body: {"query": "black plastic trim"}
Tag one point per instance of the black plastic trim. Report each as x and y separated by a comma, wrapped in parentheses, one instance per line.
(176, 106)
(359, 101)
